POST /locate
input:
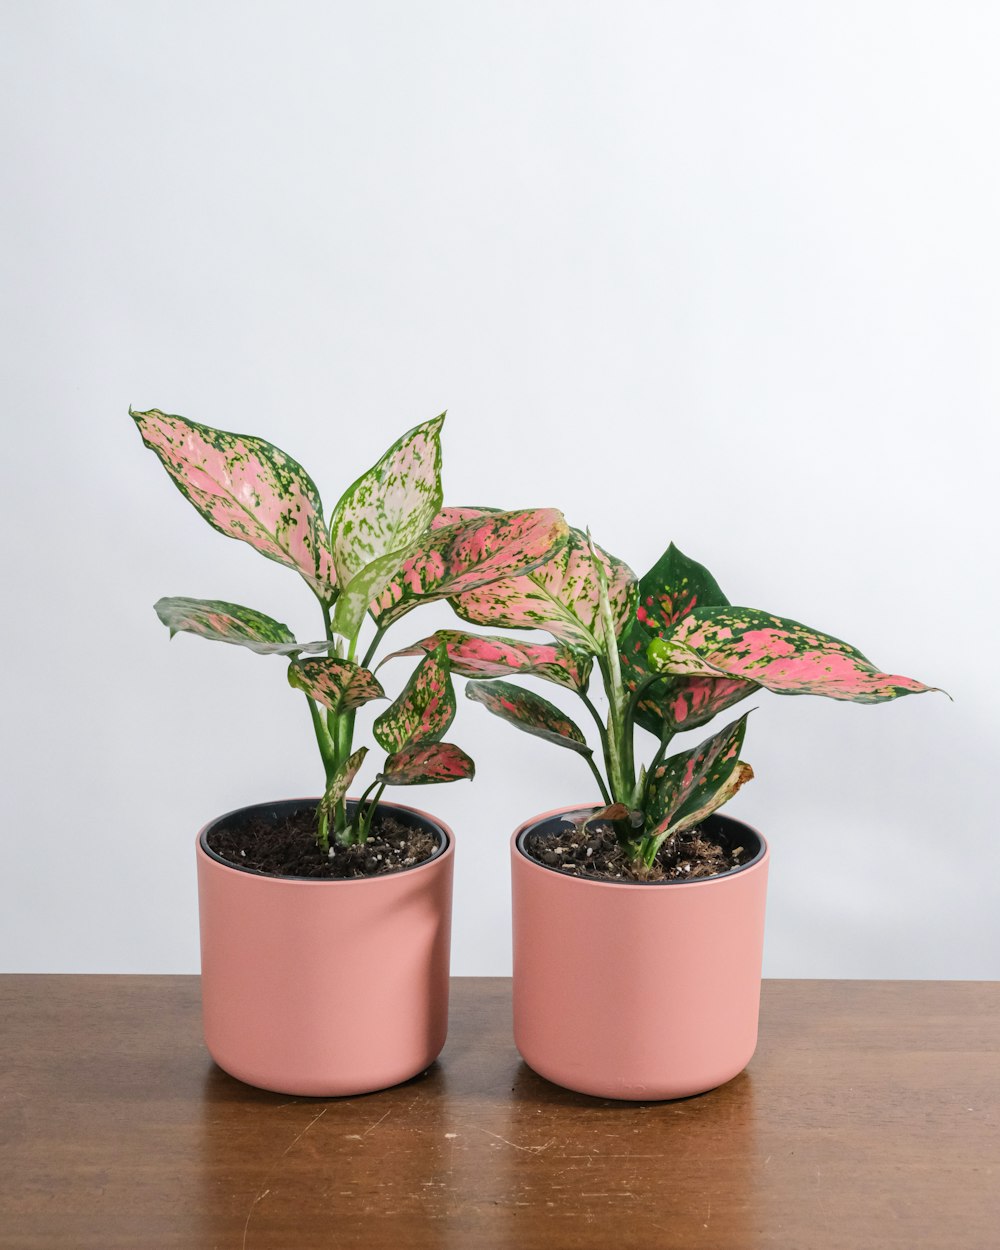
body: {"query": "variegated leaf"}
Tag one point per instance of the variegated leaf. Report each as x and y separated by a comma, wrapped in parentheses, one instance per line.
(340, 685)
(452, 516)
(560, 596)
(781, 655)
(474, 655)
(226, 622)
(672, 588)
(528, 711)
(686, 788)
(341, 781)
(425, 762)
(364, 586)
(460, 557)
(424, 710)
(389, 507)
(246, 489)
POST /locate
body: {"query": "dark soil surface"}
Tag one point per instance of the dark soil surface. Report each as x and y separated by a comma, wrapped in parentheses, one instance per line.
(594, 851)
(287, 848)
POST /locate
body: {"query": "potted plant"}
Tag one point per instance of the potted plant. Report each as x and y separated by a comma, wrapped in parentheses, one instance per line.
(638, 921)
(325, 923)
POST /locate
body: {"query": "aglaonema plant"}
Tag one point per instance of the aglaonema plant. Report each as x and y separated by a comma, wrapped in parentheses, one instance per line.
(672, 653)
(384, 551)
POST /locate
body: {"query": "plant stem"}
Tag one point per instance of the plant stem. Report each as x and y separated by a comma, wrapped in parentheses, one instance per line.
(605, 793)
(370, 653)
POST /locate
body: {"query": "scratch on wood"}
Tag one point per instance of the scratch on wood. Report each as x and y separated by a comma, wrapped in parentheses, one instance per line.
(530, 1149)
(253, 1207)
(373, 1127)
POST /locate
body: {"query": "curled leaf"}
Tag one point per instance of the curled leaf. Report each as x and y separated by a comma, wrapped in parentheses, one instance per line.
(341, 781)
(689, 786)
(340, 685)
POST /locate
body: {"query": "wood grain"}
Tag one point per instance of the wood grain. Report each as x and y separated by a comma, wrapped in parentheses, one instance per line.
(868, 1119)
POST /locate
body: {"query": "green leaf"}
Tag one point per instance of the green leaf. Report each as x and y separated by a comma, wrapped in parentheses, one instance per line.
(391, 505)
(780, 655)
(687, 787)
(459, 557)
(340, 685)
(340, 783)
(226, 622)
(363, 587)
(477, 655)
(424, 710)
(672, 588)
(425, 762)
(528, 711)
(247, 489)
(561, 596)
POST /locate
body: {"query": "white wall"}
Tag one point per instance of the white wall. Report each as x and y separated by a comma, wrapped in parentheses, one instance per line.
(719, 273)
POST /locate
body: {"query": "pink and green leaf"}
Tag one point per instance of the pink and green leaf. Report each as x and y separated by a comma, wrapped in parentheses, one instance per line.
(391, 505)
(561, 596)
(452, 516)
(340, 685)
(529, 712)
(226, 622)
(246, 489)
(688, 787)
(783, 656)
(476, 655)
(672, 588)
(426, 762)
(424, 710)
(468, 554)
(341, 781)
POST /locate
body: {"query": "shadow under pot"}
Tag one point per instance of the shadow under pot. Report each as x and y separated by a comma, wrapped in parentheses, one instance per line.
(641, 991)
(325, 988)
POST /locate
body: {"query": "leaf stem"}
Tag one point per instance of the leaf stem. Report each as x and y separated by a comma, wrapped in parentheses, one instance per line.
(605, 794)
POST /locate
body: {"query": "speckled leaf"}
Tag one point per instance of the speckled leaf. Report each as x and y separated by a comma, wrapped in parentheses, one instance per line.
(226, 622)
(341, 780)
(686, 788)
(339, 685)
(389, 507)
(424, 710)
(476, 655)
(672, 588)
(560, 596)
(425, 762)
(781, 655)
(246, 489)
(452, 516)
(363, 587)
(528, 711)
(459, 557)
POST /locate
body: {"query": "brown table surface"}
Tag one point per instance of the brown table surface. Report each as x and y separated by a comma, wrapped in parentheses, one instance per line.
(868, 1118)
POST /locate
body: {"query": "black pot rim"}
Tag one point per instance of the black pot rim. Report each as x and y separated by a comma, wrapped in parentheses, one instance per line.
(439, 831)
(603, 881)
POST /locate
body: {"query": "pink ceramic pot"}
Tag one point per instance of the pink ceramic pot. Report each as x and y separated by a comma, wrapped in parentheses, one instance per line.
(637, 991)
(325, 988)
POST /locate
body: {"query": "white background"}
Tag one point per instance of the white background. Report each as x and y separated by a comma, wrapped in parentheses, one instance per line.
(724, 274)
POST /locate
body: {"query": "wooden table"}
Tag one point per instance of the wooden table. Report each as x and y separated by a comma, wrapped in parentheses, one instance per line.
(867, 1119)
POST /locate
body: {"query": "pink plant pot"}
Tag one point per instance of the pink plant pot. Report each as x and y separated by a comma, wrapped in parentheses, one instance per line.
(322, 987)
(637, 991)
